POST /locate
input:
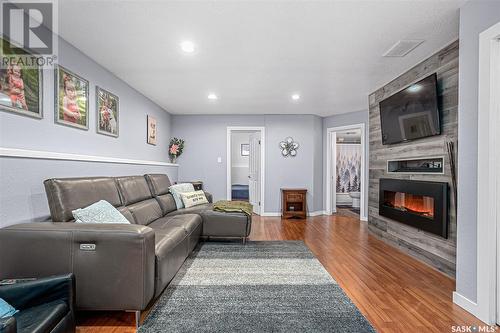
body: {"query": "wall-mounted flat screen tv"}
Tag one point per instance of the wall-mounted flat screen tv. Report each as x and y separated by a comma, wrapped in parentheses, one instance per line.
(411, 113)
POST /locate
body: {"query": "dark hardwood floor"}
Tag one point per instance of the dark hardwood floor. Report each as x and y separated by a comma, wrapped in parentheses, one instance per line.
(395, 292)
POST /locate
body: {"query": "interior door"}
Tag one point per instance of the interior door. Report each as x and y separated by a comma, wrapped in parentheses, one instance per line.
(254, 172)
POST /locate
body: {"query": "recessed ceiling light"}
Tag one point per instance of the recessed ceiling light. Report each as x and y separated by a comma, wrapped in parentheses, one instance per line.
(187, 46)
(212, 96)
(295, 97)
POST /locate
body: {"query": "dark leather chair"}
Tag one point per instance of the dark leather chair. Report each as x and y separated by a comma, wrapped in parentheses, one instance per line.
(45, 305)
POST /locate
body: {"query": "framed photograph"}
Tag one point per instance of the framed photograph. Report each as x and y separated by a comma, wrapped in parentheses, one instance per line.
(20, 86)
(152, 130)
(71, 99)
(107, 108)
(245, 149)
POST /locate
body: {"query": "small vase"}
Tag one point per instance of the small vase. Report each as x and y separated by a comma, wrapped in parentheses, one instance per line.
(173, 159)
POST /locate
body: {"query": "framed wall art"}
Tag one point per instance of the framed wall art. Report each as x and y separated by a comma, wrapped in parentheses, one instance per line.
(20, 85)
(107, 109)
(152, 130)
(71, 99)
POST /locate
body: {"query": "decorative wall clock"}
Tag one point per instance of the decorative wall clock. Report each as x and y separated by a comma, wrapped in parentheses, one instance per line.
(289, 147)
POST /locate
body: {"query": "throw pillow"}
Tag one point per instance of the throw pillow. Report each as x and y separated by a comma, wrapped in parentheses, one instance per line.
(176, 191)
(195, 198)
(99, 212)
(6, 310)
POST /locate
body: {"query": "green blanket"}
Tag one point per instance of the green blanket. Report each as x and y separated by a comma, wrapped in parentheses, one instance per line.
(233, 207)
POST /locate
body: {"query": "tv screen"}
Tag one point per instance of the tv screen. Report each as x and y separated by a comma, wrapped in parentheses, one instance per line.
(411, 113)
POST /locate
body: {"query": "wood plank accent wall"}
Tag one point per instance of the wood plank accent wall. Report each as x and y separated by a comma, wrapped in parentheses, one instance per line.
(434, 250)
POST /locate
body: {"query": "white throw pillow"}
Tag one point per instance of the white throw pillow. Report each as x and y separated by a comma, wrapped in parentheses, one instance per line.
(195, 198)
(176, 191)
(99, 212)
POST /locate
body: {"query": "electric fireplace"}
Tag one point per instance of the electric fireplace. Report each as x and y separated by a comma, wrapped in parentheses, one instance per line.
(421, 204)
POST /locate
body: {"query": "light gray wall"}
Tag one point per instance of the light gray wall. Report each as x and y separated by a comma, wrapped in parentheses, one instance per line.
(345, 119)
(22, 197)
(205, 137)
(475, 17)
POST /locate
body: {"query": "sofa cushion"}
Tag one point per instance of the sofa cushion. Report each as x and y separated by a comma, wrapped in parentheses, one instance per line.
(158, 183)
(67, 194)
(99, 212)
(126, 212)
(133, 189)
(171, 250)
(189, 222)
(167, 203)
(146, 211)
(222, 224)
(192, 210)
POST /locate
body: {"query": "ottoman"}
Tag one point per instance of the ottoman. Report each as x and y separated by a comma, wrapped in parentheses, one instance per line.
(225, 225)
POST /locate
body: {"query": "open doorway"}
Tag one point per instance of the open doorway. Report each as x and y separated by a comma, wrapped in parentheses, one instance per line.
(346, 170)
(245, 165)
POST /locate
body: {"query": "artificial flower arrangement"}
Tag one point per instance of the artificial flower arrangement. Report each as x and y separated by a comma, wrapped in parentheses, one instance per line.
(175, 149)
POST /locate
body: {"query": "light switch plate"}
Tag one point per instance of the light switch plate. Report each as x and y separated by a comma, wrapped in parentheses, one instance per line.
(219, 159)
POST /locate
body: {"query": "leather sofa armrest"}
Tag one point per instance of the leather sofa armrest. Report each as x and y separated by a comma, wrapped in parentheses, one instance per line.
(33, 293)
(113, 264)
(209, 196)
(8, 325)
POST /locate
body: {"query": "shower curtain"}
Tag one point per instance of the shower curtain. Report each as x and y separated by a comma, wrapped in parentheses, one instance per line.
(348, 168)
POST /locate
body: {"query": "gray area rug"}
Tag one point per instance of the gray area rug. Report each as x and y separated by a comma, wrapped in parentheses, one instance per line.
(258, 287)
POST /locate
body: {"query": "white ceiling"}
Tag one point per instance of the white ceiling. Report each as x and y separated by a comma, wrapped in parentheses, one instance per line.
(255, 54)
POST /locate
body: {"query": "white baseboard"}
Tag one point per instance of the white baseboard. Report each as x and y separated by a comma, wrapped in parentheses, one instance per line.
(464, 303)
(317, 213)
(270, 214)
(364, 218)
(273, 214)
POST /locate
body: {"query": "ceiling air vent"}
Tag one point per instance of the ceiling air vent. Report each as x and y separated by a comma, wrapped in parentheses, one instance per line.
(403, 47)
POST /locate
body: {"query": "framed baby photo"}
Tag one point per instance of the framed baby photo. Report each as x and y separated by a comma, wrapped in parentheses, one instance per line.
(20, 85)
(107, 108)
(152, 130)
(71, 99)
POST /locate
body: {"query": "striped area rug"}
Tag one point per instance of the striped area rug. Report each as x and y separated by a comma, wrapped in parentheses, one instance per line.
(276, 286)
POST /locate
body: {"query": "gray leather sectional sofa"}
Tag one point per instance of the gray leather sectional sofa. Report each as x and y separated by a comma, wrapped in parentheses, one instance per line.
(116, 266)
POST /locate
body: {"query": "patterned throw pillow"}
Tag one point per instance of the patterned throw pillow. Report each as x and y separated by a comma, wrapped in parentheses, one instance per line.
(195, 198)
(6, 310)
(176, 191)
(99, 212)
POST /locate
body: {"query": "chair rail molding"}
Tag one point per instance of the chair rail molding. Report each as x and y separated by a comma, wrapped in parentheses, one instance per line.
(50, 155)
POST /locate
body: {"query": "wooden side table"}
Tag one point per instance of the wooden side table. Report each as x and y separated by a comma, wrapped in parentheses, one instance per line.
(197, 184)
(294, 203)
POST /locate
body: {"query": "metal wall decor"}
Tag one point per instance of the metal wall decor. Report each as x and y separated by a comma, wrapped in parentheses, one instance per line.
(289, 147)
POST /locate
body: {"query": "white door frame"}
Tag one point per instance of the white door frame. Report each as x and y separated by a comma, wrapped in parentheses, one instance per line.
(329, 158)
(488, 163)
(262, 131)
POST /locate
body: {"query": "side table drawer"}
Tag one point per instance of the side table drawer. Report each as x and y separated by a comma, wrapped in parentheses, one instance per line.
(294, 197)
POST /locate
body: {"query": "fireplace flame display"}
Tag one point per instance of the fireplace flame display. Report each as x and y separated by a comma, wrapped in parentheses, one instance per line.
(416, 204)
